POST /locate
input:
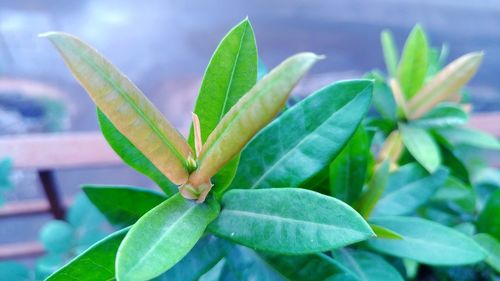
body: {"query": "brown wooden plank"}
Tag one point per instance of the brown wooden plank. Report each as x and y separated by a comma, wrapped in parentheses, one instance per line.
(58, 151)
(20, 250)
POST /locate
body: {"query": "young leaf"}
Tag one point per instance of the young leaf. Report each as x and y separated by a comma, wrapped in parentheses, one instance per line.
(445, 84)
(376, 186)
(96, 263)
(426, 242)
(414, 62)
(367, 266)
(305, 138)
(383, 100)
(205, 255)
(466, 136)
(274, 220)
(122, 205)
(385, 233)
(491, 247)
(422, 146)
(162, 237)
(391, 149)
(443, 115)
(489, 219)
(407, 197)
(126, 107)
(231, 73)
(132, 156)
(250, 114)
(348, 169)
(390, 52)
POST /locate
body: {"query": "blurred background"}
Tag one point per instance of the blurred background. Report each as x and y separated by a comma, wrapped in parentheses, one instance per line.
(164, 47)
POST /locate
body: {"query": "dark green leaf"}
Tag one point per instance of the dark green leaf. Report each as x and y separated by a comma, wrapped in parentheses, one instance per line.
(205, 255)
(132, 156)
(382, 232)
(421, 146)
(162, 237)
(426, 242)
(367, 266)
(305, 138)
(489, 219)
(288, 221)
(122, 205)
(231, 73)
(348, 169)
(456, 192)
(96, 263)
(406, 198)
(243, 264)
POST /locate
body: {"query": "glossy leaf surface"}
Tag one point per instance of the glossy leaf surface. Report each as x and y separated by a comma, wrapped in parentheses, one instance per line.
(96, 263)
(385, 233)
(133, 156)
(491, 247)
(445, 84)
(305, 138)
(232, 72)
(172, 227)
(426, 242)
(422, 146)
(126, 107)
(250, 114)
(122, 205)
(348, 169)
(414, 62)
(274, 220)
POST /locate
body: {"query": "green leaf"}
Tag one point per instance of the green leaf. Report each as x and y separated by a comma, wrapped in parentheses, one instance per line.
(204, 256)
(231, 73)
(96, 263)
(491, 247)
(445, 84)
(456, 192)
(243, 264)
(348, 169)
(382, 232)
(249, 115)
(122, 205)
(367, 266)
(414, 62)
(489, 219)
(470, 137)
(57, 236)
(390, 52)
(313, 267)
(304, 139)
(275, 220)
(421, 146)
(383, 100)
(426, 242)
(443, 115)
(368, 200)
(162, 237)
(126, 107)
(406, 197)
(133, 156)
(14, 271)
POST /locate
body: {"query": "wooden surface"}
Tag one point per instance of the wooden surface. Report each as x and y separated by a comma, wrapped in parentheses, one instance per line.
(58, 151)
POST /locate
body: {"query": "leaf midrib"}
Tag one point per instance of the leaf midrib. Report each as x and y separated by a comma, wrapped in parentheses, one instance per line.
(130, 101)
(298, 144)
